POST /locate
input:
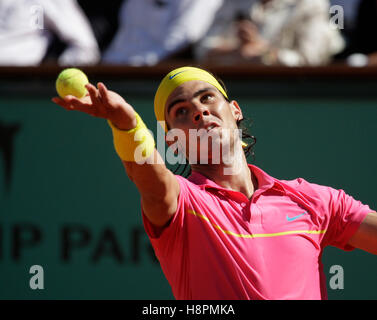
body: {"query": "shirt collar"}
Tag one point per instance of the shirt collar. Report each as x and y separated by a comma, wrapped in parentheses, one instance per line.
(265, 181)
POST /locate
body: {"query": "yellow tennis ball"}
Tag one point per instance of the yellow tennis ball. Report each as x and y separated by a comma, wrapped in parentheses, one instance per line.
(71, 81)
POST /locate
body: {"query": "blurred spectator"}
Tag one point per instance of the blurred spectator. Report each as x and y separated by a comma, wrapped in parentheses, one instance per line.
(222, 32)
(103, 19)
(153, 30)
(285, 32)
(27, 28)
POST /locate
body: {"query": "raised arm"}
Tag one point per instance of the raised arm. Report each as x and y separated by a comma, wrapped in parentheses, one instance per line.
(158, 187)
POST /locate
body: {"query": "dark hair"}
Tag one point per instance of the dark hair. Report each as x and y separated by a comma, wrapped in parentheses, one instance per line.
(185, 169)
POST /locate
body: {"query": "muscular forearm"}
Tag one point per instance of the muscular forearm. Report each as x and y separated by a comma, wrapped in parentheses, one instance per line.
(147, 175)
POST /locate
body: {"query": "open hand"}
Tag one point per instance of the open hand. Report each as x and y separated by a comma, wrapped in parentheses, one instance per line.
(102, 103)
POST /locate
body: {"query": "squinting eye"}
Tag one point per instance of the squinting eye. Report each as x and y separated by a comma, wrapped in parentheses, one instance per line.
(180, 112)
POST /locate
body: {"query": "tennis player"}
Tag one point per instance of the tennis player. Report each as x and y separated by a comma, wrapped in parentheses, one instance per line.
(229, 230)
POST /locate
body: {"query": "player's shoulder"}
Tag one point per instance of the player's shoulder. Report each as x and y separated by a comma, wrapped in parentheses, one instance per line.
(307, 187)
(316, 193)
(295, 183)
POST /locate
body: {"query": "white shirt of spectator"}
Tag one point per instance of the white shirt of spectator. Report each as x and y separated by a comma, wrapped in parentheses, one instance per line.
(151, 30)
(26, 27)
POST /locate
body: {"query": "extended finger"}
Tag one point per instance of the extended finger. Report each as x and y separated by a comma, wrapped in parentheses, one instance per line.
(94, 93)
(83, 105)
(104, 93)
(101, 102)
(61, 102)
(72, 103)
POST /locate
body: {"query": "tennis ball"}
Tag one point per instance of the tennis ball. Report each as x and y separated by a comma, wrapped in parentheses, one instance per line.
(71, 81)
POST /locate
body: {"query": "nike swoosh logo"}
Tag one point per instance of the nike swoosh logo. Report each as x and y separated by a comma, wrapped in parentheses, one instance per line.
(295, 217)
(174, 75)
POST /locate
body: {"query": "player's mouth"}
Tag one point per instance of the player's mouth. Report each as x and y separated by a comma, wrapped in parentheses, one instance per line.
(211, 126)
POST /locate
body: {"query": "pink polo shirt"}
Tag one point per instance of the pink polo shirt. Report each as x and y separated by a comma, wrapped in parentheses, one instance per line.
(221, 245)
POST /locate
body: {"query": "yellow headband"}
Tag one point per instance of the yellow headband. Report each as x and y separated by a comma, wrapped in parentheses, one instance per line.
(174, 79)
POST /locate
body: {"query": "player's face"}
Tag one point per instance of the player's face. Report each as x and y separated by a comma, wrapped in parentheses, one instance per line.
(197, 106)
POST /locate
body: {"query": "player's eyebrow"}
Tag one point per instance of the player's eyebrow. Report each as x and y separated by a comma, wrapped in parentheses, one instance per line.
(197, 93)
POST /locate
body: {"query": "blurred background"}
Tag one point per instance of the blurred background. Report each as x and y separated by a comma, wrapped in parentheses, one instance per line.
(303, 71)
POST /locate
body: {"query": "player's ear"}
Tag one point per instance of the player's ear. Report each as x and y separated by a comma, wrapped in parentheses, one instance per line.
(236, 110)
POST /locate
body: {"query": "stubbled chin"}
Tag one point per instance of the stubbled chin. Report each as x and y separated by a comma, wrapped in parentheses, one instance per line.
(213, 154)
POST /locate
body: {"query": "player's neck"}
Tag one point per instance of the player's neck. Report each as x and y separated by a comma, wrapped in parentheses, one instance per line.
(235, 176)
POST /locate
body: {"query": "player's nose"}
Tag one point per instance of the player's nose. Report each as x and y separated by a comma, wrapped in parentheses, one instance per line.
(200, 113)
